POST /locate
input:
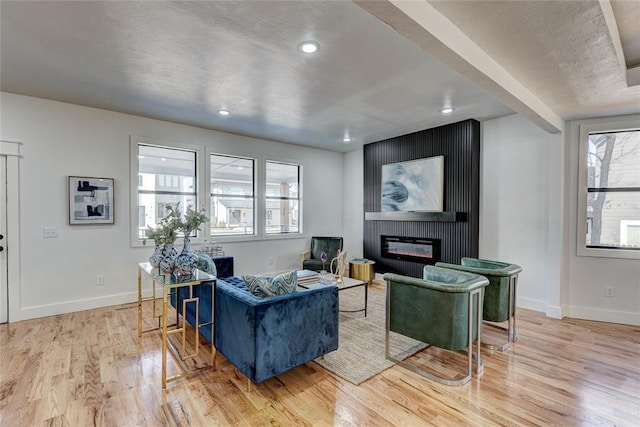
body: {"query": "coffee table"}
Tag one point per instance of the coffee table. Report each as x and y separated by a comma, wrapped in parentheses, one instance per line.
(347, 283)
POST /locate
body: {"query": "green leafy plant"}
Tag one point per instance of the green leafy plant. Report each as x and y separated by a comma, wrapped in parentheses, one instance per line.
(167, 229)
(171, 223)
(192, 221)
(154, 233)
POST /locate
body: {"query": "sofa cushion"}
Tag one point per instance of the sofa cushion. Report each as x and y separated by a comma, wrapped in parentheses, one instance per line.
(264, 286)
(257, 284)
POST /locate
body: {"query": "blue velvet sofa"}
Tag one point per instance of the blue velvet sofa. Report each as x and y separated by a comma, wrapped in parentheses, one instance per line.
(264, 337)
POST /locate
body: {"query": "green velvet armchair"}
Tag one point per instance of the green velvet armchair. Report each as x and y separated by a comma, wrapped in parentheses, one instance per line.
(310, 259)
(499, 296)
(442, 309)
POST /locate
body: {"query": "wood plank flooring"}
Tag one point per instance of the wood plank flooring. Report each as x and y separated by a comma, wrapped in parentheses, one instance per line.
(91, 369)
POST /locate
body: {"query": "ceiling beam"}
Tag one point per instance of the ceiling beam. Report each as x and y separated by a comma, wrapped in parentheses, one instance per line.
(632, 74)
(425, 26)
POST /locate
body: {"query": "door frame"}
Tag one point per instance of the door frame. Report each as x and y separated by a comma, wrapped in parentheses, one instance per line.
(11, 150)
(4, 280)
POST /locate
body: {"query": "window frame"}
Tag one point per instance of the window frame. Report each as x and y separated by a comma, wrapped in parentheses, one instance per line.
(263, 191)
(260, 176)
(256, 197)
(584, 129)
(201, 195)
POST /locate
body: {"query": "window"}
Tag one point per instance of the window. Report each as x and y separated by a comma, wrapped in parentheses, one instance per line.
(166, 175)
(232, 196)
(610, 198)
(282, 198)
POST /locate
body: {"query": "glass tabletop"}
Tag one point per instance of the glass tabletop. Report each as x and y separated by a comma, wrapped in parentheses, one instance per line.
(347, 282)
(198, 276)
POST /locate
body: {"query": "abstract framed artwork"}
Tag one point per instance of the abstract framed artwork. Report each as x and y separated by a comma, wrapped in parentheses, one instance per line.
(90, 200)
(413, 186)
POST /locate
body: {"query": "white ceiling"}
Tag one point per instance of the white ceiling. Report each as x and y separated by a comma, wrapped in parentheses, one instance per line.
(560, 50)
(182, 61)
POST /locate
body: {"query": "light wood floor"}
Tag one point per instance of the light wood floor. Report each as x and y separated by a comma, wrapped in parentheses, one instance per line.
(90, 368)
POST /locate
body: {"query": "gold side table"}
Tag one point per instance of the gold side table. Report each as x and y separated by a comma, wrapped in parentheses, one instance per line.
(169, 286)
(362, 270)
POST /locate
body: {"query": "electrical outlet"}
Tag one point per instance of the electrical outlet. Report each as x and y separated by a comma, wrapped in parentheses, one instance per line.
(609, 291)
(100, 280)
(271, 260)
(49, 232)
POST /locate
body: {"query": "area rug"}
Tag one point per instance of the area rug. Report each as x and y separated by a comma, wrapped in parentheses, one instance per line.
(360, 354)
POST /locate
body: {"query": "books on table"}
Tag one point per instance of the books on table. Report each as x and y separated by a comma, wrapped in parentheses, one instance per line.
(307, 276)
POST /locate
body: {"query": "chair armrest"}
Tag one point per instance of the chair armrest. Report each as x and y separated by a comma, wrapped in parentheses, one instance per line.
(486, 268)
(303, 256)
(472, 283)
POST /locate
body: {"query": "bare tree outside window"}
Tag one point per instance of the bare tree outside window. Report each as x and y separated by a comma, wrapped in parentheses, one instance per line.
(613, 181)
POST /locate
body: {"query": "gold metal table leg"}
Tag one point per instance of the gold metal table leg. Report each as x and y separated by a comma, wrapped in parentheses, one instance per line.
(164, 337)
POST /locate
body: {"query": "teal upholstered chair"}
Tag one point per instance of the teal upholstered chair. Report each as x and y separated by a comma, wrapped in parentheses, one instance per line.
(310, 259)
(442, 309)
(499, 296)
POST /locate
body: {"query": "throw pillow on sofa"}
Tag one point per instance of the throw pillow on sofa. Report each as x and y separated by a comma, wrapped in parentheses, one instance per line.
(256, 284)
(264, 286)
(206, 264)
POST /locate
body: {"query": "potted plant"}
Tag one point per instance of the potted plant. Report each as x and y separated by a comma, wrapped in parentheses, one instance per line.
(192, 221)
(187, 261)
(170, 225)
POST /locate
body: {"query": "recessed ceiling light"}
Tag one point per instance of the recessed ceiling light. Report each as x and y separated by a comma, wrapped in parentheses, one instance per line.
(141, 157)
(223, 112)
(163, 159)
(447, 110)
(309, 46)
(239, 168)
(346, 139)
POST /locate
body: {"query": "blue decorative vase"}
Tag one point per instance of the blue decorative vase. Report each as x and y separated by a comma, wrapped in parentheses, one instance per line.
(187, 262)
(157, 256)
(168, 250)
(167, 265)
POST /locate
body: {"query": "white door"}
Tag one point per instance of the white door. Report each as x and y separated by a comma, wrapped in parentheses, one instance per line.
(4, 281)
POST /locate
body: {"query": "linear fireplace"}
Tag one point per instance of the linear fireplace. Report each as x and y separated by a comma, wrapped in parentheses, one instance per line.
(416, 249)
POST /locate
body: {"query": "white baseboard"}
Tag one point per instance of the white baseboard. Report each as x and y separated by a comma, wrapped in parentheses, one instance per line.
(45, 310)
(584, 313)
(601, 315)
(532, 304)
(555, 312)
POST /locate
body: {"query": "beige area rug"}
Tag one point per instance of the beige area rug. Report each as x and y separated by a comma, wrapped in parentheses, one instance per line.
(360, 353)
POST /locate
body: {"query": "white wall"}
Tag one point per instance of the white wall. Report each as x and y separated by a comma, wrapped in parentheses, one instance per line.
(528, 216)
(59, 275)
(589, 275)
(520, 200)
(353, 203)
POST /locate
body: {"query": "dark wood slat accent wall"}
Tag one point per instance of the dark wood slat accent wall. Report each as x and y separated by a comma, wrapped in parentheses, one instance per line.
(460, 145)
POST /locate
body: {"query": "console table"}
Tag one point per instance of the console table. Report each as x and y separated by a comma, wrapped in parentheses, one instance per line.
(169, 286)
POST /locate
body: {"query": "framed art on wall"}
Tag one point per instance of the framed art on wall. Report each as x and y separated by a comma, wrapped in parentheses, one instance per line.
(90, 200)
(413, 186)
